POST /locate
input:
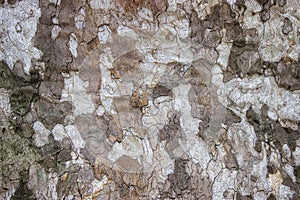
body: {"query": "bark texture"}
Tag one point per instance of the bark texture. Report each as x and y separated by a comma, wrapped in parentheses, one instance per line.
(155, 99)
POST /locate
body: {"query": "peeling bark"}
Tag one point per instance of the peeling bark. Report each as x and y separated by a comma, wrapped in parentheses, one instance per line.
(151, 99)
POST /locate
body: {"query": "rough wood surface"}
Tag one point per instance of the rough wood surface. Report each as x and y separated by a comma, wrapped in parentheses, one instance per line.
(155, 99)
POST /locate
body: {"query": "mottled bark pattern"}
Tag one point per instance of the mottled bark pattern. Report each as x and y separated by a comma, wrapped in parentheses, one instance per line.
(155, 99)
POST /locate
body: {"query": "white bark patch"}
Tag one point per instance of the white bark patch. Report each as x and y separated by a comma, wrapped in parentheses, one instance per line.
(225, 181)
(56, 2)
(98, 185)
(195, 146)
(80, 19)
(55, 32)
(18, 27)
(273, 43)
(73, 45)
(109, 87)
(259, 90)
(182, 104)
(296, 153)
(59, 132)
(53, 180)
(4, 101)
(75, 91)
(75, 136)
(101, 4)
(41, 134)
(131, 146)
(104, 33)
